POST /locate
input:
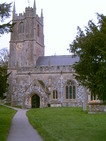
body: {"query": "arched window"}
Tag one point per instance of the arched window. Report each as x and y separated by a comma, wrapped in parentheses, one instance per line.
(55, 94)
(38, 30)
(70, 90)
(21, 27)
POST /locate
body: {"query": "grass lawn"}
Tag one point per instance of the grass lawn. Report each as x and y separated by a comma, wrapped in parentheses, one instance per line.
(6, 115)
(68, 124)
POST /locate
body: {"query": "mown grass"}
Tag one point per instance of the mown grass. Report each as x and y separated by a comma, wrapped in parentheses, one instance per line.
(68, 124)
(8, 104)
(6, 115)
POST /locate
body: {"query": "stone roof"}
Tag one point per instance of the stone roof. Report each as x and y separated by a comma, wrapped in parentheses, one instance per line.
(63, 60)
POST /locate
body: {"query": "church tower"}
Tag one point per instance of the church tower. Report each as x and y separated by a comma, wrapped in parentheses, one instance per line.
(27, 39)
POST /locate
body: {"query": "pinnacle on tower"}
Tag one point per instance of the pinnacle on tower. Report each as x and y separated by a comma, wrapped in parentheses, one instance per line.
(14, 10)
(28, 3)
(34, 8)
(42, 13)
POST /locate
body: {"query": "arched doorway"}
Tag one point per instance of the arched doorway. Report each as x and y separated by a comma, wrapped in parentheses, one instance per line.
(35, 101)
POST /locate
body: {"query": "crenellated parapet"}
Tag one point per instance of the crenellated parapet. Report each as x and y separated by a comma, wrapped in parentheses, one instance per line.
(46, 69)
(29, 13)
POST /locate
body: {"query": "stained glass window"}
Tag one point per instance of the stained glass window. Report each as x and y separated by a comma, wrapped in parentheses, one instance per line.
(70, 90)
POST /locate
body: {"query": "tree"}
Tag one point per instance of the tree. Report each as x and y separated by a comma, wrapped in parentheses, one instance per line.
(3, 71)
(3, 82)
(5, 10)
(90, 46)
(4, 54)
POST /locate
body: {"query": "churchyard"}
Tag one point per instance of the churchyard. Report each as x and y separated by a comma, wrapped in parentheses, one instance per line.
(59, 124)
(68, 124)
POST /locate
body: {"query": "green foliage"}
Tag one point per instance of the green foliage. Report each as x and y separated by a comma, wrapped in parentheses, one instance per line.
(5, 10)
(90, 46)
(6, 115)
(3, 72)
(68, 124)
(3, 82)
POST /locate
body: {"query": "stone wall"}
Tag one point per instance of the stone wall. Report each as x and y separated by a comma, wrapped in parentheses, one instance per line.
(25, 83)
(96, 107)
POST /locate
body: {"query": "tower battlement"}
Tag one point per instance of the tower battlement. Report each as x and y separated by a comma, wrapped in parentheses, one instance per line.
(28, 9)
(30, 13)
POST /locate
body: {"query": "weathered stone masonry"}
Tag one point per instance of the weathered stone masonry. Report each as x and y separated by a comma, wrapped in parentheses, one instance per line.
(37, 80)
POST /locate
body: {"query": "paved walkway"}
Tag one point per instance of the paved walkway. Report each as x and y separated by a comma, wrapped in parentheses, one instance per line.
(21, 130)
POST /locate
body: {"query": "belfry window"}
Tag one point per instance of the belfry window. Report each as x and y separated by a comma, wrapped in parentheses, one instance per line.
(21, 27)
(70, 90)
(38, 30)
(55, 94)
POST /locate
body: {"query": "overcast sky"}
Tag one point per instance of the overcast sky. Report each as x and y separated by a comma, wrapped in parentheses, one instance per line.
(61, 18)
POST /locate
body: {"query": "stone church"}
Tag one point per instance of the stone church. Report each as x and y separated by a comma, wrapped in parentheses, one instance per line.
(36, 80)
